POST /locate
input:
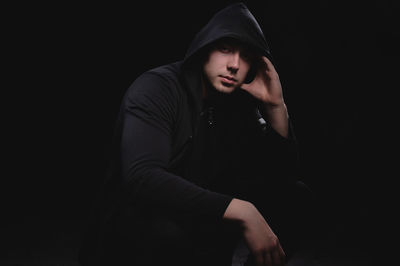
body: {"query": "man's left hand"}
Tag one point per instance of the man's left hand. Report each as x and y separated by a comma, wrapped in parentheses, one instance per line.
(266, 85)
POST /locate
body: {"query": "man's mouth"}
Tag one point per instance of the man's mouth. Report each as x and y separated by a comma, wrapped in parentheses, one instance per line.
(228, 79)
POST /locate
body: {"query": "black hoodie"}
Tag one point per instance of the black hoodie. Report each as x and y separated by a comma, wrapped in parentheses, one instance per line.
(159, 162)
(179, 154)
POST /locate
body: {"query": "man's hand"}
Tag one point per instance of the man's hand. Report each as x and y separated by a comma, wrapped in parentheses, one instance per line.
(267, 88)
(266, 85)
(260, 239)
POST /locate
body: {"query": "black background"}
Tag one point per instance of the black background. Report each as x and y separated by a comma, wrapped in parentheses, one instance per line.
(68, 64)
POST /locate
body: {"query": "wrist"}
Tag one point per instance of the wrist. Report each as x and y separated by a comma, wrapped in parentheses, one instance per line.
(238, 212)
(274, 106)
(269, 110)
(278, 117)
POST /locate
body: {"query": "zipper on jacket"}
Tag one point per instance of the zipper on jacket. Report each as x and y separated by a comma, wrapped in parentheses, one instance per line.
(263, 124)
(211, 117)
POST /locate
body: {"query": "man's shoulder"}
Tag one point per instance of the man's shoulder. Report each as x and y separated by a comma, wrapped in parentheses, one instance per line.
(163, 77)
(169, 72)
(163, 80)
(167, 69)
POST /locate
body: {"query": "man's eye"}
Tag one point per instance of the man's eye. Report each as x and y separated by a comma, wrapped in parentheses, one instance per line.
(246, 56)
(225, 49)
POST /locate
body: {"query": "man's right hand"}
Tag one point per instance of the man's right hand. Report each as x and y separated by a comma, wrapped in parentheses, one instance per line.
(259, 237)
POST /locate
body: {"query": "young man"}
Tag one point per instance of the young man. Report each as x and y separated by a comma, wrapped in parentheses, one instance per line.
(204, 158)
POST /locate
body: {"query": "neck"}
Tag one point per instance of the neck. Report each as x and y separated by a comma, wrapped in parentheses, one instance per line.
(209, 92)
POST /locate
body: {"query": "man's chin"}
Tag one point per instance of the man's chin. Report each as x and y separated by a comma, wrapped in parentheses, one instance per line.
(226, 88)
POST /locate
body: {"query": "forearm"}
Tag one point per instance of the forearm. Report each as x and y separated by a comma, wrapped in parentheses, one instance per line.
(161, 190)
(277, 116)
(238, 211)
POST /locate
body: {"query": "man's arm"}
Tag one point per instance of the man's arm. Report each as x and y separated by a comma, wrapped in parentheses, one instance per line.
(266, 87)
(278, 118)
(149, 110)
(275, 143)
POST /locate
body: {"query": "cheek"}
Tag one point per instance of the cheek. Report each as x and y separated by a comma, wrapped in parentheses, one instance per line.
(209, 72)
(207, 69)
(212, 66)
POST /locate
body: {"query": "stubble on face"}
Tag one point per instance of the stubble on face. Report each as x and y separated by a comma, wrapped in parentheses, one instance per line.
(226, 67)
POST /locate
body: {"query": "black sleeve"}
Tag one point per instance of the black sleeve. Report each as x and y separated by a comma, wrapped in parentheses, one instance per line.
(149, 111)
(285, 147)
(271, 157)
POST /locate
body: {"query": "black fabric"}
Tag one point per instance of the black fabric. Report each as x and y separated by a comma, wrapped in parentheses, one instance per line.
(169, 161)
(143, 238)
(234, 21)
(149, 115)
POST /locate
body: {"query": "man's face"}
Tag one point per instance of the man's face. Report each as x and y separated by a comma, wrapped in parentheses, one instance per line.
(227, 65)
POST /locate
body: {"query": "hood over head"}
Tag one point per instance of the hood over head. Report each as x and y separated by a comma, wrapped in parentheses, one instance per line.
(234, 21)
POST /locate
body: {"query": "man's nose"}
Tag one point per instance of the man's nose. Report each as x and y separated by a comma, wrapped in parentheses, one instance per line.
(234, 62)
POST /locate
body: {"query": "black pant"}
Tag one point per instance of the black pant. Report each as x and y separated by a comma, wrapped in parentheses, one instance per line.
(152, 239)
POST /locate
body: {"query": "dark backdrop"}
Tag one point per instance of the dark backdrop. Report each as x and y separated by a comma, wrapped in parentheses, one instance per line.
(68, 66)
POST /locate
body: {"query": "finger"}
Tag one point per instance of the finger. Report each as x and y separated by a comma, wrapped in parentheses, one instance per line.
(259, 259)
(268, 259)
(268, 63)
(276, 258)
(282, 255)
(245, 86)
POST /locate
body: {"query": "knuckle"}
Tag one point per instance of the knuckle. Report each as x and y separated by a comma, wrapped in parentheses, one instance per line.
(259, 251)
(276, 245)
